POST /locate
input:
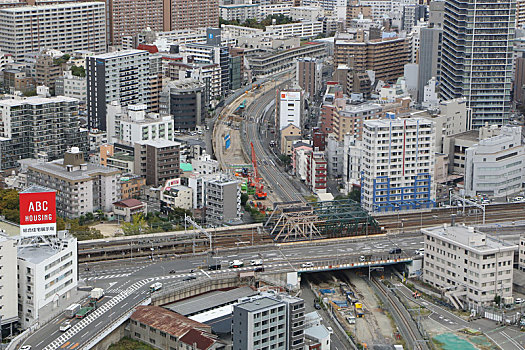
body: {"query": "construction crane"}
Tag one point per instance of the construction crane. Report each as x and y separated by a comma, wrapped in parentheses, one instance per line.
(259, 187)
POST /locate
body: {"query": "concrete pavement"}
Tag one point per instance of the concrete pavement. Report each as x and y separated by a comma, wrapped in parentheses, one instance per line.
(127, 282)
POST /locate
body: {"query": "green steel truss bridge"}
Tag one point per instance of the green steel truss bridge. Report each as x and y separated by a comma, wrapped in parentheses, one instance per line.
(293, 221)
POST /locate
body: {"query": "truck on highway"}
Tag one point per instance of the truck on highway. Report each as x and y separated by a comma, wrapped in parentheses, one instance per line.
(83, 312)
(155, 287)
(213, 267)
(72, 310)
(359, 310)
(96, 293)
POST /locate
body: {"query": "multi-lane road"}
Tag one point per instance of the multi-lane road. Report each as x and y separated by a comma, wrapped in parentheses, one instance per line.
(127, 282)
(255, 126)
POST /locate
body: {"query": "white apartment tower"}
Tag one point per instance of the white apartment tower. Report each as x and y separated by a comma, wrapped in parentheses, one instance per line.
(121, 76)
(397, 166)
(67, 27)
(289, 108)
(47, 272)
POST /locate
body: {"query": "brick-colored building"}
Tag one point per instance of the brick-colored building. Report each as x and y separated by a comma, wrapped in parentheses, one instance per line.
(187, 14)
(386, 57)
(131, 186)
(316, 172)
(165, 329)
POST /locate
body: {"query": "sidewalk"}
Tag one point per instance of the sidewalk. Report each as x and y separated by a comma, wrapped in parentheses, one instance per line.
(55, 308)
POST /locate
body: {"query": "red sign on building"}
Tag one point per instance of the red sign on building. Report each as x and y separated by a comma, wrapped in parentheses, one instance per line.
(37, 213)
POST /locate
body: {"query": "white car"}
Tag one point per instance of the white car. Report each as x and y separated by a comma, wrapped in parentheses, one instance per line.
(518, 301)
(420, 251)
(256, 262)
(330, 330)
(362, 258)
(307, 264)
(65, 326)
(26, 347)
(519, 199)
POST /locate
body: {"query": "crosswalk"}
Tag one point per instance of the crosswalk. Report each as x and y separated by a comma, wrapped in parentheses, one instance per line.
(108, 277)
(121, 275)
(96, 314)
(123, 292)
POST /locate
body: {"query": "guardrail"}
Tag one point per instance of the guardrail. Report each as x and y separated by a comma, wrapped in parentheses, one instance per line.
(94, 340)
(191, 286)
(22, 336)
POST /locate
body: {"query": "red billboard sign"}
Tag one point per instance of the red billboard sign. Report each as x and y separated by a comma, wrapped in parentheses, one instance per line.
(37, 213)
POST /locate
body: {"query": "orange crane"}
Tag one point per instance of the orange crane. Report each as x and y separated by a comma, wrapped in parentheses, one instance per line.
(259, 187)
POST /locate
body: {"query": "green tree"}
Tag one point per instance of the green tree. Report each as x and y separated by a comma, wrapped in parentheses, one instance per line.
(137, 226)
(244, 199)
(286, 160)
(10, 205)
(90, 217)
(78, 71)
(29, 93)
(99, 215)
(355, 195)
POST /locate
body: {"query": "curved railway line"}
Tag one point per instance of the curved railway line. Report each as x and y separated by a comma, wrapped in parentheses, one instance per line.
(272, 174)
(407, 326)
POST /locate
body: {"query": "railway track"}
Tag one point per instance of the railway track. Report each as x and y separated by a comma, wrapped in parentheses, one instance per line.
(271, 173)
(166, 245)
(494, 213)
(413, 335)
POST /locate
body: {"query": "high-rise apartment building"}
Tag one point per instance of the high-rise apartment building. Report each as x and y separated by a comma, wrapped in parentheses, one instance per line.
(386, 57)
(209, 53)
(36, 127)
(476, 58)
(157, 160)
(308, 75)
(430, 40)
(520, 13)
(265, 322)
(186, 14)
(122, 76)
(67, 27)
(130, 17)
(397, 164)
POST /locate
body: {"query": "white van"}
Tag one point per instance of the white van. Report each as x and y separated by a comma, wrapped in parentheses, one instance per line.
(236, 263)
(155, 287)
